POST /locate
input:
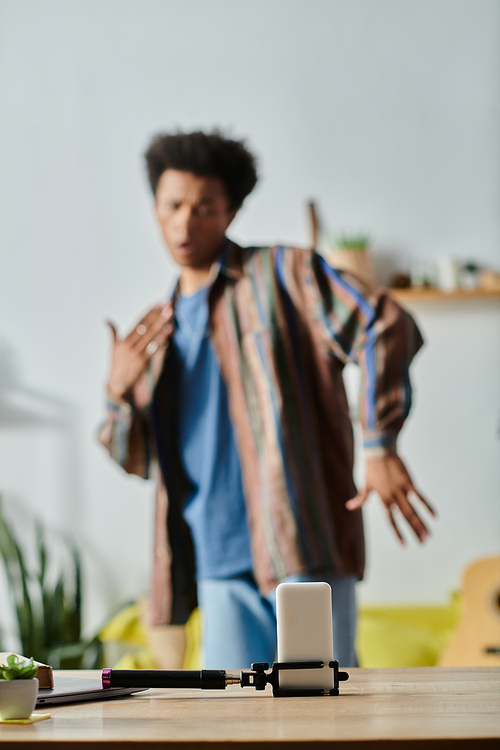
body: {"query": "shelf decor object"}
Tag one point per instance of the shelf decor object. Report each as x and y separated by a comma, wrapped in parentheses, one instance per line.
(352, 253)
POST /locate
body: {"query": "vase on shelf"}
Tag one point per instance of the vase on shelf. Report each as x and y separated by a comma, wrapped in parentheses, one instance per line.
(359, 262)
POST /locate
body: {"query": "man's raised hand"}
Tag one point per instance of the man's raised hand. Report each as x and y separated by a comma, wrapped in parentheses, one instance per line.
(131, 355)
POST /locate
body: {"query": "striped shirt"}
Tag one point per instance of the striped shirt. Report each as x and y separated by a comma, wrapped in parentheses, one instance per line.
(284, 325)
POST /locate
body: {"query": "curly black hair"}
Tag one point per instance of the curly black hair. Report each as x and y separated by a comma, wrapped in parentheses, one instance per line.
(205, 155)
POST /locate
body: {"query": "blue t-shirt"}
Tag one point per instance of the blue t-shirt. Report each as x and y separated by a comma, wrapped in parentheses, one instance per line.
(215, 506)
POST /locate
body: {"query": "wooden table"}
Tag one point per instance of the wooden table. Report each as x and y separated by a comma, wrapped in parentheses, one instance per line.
(417, 708)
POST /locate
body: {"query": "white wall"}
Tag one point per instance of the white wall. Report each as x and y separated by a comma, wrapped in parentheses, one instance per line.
(386, 111)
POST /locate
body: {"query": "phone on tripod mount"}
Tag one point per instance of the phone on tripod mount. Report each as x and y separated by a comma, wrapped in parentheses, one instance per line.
(305, 633)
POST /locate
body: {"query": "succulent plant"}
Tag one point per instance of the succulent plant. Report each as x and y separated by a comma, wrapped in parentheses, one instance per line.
(18, 669)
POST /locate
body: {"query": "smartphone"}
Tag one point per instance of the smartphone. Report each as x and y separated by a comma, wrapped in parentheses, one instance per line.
(305, 633)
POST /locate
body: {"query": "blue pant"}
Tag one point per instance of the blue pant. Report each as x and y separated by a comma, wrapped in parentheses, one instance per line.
(239, 625)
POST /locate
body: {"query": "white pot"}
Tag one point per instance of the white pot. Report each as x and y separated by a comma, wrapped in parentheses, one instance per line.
(18, 698)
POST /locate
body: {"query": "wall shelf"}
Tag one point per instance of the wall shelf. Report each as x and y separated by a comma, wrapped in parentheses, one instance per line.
(409, 296)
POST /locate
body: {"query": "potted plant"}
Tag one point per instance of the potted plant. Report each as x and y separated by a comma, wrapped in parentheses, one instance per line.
(18, 688)
(47, 603)
(351, 253)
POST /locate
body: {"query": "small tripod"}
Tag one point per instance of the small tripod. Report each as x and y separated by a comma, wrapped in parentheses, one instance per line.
(218, 679)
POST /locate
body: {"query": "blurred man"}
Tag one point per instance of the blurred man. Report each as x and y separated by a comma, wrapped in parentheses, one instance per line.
(231, 396)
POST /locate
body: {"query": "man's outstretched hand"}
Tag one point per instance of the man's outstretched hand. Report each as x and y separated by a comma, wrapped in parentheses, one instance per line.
(389, 478)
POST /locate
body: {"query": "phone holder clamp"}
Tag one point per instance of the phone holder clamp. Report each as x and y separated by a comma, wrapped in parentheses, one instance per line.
(259, 677)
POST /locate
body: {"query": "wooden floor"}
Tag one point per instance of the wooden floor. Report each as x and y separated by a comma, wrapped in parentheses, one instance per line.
(416, 708)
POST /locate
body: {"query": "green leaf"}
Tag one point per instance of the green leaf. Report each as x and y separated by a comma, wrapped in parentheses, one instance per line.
(42, 553)
(18, 669)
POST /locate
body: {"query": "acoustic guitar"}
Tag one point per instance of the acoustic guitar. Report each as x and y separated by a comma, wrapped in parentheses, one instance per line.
(476, 642)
